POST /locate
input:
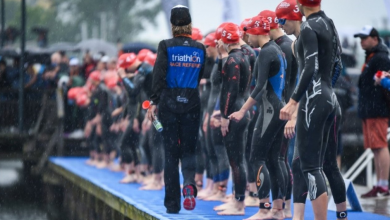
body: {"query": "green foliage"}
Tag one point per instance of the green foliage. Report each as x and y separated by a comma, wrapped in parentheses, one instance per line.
(125, 18)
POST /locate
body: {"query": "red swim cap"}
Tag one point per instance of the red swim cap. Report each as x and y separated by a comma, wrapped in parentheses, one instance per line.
(230, 33)
(218, 32)
(258, 26)
(126, 60)
(196, 34)
(142, 54)
(210, 40)
(310, 3)
(271, 17)
(288, 9)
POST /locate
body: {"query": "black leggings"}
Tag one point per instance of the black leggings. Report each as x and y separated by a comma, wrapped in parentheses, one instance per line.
(129, 145)
(286, 172)
(180, 136)
(315, 118)
(265, 157)
(234, 142)
(251, 176)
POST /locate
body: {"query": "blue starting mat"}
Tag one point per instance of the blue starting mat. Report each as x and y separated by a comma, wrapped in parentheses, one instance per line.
(152, 202)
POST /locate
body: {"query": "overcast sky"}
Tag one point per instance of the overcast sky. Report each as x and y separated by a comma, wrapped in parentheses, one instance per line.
(348, 15)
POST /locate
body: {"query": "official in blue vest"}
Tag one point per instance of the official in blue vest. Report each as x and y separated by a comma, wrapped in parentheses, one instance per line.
(176, 76)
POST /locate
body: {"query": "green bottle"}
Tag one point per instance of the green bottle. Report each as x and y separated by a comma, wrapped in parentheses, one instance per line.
(157, 124)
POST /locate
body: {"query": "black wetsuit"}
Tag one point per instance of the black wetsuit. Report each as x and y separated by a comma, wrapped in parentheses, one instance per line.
(176, 75)
(221, 170)
(330, 168)
(316, 50)
(236, 78)
(284, 43)
(130, 139)
(204, 157)
(268, 132)
(105, 106)
(251, 56)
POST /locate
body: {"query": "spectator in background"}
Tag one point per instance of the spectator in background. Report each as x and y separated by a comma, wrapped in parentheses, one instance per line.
(30, 77)
(4, 81)
(88, 66)
(372, 107)
(74, 74)
(111, 65)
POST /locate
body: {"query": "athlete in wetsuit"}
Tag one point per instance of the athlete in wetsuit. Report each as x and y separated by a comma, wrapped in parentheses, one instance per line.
(216, 150)
(284, 43)
(236, 77)
(268, 132)
(251, 200)
(316, 50)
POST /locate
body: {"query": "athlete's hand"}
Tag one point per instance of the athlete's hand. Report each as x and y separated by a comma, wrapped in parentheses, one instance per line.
(146, 124)
(224, 126)
(121, 73)
(87, 129)
(237, 116)
(289, 129)
(151, 112)
(288, 110)
(221, 49)
(205, 122)
(136, 125)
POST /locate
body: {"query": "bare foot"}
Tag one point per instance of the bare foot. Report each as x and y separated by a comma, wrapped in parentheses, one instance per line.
(152, 186)
(224, 206)
(89, 162)
(116, 168)
(277, 214)
(219, 196)
(227, 198)
(287, 213)
(147, 180)
(251, 201)
(128, 179)
(101, 165)
(235, 208)
(204, 193)
(260, 215)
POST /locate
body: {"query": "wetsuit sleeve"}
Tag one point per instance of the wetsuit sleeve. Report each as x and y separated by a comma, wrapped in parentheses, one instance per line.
(385, 82)
(129, 86)
(263, 68)
(160, 72)
(215, 79)
(310, 48)
(230, 87)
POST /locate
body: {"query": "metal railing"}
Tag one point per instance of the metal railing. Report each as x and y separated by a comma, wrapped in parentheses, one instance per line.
(364, 162)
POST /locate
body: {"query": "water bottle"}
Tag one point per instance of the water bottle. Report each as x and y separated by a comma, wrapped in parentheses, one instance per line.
(157, 124)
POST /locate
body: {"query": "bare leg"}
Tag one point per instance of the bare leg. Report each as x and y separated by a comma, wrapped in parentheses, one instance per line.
(299, 211)
(320, 207)
(262, 213)
(249, 200)
(382, 162)
(287, 209)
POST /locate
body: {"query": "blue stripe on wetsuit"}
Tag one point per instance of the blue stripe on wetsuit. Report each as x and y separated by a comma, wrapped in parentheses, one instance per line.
(184, 66)
(277, 81)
